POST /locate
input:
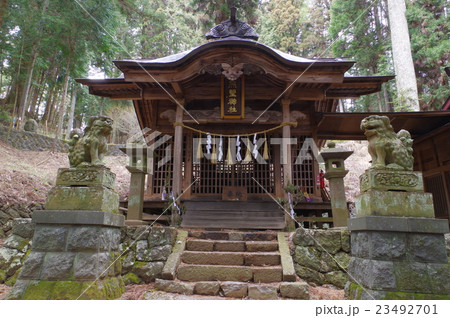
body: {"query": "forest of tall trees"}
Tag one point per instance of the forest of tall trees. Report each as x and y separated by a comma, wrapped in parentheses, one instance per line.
(46, 44)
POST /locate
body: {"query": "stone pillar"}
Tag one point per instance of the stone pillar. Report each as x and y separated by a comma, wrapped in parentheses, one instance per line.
(136, 197)
(335, 172)
(138, 168)
(75, 250)
(398, 248)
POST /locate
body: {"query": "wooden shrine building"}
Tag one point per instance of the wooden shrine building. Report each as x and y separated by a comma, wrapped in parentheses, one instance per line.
(230, 93)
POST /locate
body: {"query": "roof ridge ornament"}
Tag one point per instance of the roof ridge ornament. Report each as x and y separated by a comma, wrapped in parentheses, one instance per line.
(232, 27)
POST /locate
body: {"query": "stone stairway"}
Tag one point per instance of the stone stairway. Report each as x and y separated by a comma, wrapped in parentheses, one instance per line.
(252, 265)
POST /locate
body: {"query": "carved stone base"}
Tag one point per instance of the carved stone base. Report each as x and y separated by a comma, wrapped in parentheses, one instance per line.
(89, 176)
(387, 180)
(83, 198)
(393, 203)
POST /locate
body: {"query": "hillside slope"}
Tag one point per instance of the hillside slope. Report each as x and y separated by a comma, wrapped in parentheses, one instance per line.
(27, 176)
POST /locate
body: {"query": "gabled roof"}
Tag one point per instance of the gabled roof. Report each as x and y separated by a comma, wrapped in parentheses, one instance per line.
(176, 60)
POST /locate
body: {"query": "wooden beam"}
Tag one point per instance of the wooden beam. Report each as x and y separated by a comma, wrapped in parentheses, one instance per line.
(308, 77)
(252, 93)
(177, 88)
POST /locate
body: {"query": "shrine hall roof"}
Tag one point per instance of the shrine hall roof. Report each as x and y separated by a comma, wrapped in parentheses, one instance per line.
(175, 60)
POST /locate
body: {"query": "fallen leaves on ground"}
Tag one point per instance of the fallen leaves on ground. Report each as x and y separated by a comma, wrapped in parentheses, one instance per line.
(27, 176)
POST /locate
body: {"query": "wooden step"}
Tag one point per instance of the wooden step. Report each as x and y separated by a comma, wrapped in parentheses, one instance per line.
(233, 214)
(263, 225)
(231, 258)
(248, 206)
(232, 220)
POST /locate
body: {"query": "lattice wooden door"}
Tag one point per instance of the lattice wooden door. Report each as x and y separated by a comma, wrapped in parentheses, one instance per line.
(256, 177)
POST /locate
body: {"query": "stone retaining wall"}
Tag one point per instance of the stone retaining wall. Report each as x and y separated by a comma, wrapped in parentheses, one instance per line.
(144, 251)
(8, 212)
(322, 256)
(25, 140)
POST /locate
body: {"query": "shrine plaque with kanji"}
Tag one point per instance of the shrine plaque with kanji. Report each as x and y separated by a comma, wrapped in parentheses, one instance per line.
(232, 98)
(234, 193)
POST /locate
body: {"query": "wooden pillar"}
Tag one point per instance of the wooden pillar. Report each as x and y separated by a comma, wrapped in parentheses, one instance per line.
(287, 156)
(277, 171)
(177, 180)
(188, 166)
(285, 147)
(177, 177)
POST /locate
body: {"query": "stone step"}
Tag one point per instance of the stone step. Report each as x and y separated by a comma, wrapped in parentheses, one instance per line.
(234, 235)
(231, 246)
(195, 273)
(231, 258)
(229, 289)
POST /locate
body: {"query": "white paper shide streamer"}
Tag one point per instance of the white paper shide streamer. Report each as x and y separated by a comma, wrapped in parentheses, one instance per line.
(238, 151)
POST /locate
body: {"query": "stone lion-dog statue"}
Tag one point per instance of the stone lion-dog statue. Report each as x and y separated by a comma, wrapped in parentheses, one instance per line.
(89, 148)
(389, 151)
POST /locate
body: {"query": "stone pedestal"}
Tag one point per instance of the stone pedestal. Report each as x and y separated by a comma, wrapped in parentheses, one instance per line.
(398, 248)
(75, 252)
(87, 188)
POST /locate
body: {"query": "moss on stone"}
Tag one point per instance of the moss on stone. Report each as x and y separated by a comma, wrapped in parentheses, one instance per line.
(114, 256)
(355, 292)
(2, 276)
(39, 290)
(310, 275)
(93, 291)
(138, 265)
(110, 288)
(26, 255)
(22, 244)
(414, 296)
(12, 280)
(66, 290)
(131, 278)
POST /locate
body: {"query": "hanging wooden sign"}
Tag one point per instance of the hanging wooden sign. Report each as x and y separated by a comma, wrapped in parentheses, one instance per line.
(232, 98)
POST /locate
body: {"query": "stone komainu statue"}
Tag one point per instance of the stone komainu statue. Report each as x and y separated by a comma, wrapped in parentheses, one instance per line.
(89, 148)
(388, 150)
